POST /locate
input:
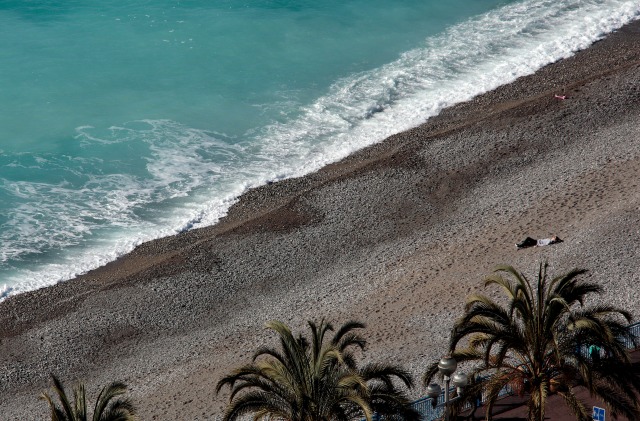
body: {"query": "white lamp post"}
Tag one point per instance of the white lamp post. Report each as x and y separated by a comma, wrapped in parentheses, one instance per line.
(447, 366)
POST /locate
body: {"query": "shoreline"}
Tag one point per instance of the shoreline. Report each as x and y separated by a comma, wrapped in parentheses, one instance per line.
(395, 235)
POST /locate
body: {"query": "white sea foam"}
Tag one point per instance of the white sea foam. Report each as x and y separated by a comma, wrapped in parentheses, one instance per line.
(180, 177)
(466, 60)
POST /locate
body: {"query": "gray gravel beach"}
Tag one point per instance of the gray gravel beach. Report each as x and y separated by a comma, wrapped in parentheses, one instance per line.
(396, 235)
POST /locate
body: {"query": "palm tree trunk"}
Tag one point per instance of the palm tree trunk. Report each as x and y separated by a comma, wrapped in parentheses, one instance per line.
(537, 402)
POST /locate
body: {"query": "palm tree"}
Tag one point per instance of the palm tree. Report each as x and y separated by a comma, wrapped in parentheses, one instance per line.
(534, 343)
(316, 380)
(106, 408)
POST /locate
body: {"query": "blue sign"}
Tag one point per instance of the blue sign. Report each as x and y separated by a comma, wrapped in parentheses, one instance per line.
(598, 414)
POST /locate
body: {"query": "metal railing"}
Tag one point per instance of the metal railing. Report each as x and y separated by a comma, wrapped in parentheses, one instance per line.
(430, 412)
(634, 329)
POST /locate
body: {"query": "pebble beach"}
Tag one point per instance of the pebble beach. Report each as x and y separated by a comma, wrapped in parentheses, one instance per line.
(396, 236)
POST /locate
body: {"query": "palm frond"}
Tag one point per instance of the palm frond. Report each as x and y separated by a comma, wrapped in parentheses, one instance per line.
(265, 351)
(119, 410)
(293, 351)
(256, 402)
(618, 402)
(392, 405)
(80, 402)
(56, 413)
(493, 385)
(431, 372)
(62, 396)
(386, 373)
(107, 394)
(317, 336)
(345, 335)
(577, 407)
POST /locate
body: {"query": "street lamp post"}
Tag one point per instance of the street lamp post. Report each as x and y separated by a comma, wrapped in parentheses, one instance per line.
(447, 366)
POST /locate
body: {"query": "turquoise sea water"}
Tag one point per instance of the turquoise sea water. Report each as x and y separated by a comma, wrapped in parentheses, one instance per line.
(121, 122)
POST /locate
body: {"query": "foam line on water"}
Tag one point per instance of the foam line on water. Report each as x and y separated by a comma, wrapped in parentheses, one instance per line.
(467, 60)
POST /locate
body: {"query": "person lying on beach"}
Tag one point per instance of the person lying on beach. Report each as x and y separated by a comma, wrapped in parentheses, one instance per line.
(532, 242)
